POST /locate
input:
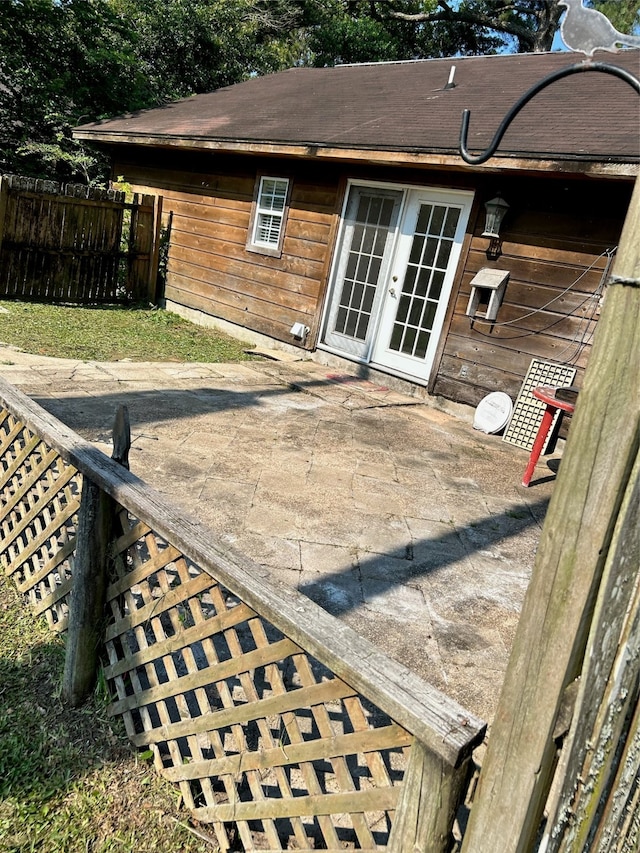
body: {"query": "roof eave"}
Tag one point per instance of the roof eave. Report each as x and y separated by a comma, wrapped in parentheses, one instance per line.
(587, 165)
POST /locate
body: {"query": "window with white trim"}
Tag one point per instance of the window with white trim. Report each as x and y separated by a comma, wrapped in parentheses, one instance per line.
(269, 216)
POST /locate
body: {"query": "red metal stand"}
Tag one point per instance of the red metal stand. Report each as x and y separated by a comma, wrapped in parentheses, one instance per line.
(548, 396)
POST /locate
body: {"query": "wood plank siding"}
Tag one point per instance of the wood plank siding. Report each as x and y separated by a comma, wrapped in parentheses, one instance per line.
(554, 244)
(556, 237)
(210, 269)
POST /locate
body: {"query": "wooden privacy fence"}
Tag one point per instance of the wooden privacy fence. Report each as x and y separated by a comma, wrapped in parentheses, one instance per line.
(74, 243)
(282, 727)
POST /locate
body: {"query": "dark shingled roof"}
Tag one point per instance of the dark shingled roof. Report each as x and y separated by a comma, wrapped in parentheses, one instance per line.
(405, 107)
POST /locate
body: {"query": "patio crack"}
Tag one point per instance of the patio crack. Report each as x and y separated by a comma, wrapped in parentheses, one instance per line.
(392, 405)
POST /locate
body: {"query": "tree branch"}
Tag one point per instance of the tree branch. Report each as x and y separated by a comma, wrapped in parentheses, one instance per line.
(525, 35)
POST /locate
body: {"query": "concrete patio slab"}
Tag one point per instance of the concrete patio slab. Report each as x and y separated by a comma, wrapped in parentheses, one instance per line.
(390, 512)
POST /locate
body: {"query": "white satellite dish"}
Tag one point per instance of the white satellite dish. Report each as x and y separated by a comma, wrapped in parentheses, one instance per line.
(493, 412)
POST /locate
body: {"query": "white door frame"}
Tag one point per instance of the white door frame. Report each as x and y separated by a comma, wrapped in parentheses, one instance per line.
(376, 351)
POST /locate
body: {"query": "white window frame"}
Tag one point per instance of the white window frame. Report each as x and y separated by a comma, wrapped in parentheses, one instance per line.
(262, 208)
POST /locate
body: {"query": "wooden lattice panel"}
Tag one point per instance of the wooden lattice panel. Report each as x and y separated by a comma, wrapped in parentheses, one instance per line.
(252, 702)
(40, 498)
(265, 742)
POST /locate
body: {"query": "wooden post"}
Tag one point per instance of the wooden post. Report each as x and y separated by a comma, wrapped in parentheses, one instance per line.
(4, 192)
(121, 437)
(432, 792)
(152, 288)
(90, 577)
(140, 250)
(596, 789)
(549, 647)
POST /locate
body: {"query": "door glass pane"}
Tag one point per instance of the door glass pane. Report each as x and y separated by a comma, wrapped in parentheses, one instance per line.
(416, 249)
(422, 285)
(408, 285)
(375, 207)
(437, 219)
(367, 302)
(403, 309)
(431, 247)
(443, 254)
(423, 219)
(430, 315)
(352, 263)
(363, 206)
(421, 344)
(430, 253)
(387, 212)
(415, 314)
(396, 337)
(451, 222)
(409, 340)
(361, 331)
(436, 284)
(363, 268)
(381, 241)
(367, 242)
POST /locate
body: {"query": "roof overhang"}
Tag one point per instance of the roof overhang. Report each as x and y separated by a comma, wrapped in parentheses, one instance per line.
(568, 164)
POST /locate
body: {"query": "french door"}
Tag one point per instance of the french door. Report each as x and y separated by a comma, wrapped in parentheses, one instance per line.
(369, 229)
(395, 267)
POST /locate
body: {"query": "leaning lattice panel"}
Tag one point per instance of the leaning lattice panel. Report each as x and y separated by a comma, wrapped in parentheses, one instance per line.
(525, 421)
(40, 497)
(266, 744)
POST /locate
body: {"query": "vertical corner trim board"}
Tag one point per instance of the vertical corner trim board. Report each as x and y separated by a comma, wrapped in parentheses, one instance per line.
(527, 410)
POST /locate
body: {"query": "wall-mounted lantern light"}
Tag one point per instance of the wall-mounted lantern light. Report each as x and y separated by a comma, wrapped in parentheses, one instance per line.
(496, 211)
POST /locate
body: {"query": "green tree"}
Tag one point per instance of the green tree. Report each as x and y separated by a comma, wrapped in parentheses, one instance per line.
(64, 62)
(61, 62)
(339, 31)
(521, 27)
(189, 46)
(355, 30)
(623, 14)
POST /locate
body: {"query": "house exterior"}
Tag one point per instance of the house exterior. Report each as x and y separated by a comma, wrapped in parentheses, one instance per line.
(330, 209)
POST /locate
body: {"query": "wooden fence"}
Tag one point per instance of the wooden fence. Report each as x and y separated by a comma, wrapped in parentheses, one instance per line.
(282, 727)
(74, 243)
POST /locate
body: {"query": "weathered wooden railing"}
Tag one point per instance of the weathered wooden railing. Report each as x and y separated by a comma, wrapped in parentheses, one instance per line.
(282, 727)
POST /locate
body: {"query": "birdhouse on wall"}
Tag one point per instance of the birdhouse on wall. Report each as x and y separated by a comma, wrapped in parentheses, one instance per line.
(487, 291)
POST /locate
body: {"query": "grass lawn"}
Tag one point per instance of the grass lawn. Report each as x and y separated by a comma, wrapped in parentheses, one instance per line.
(69, 782)
(112, 333)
